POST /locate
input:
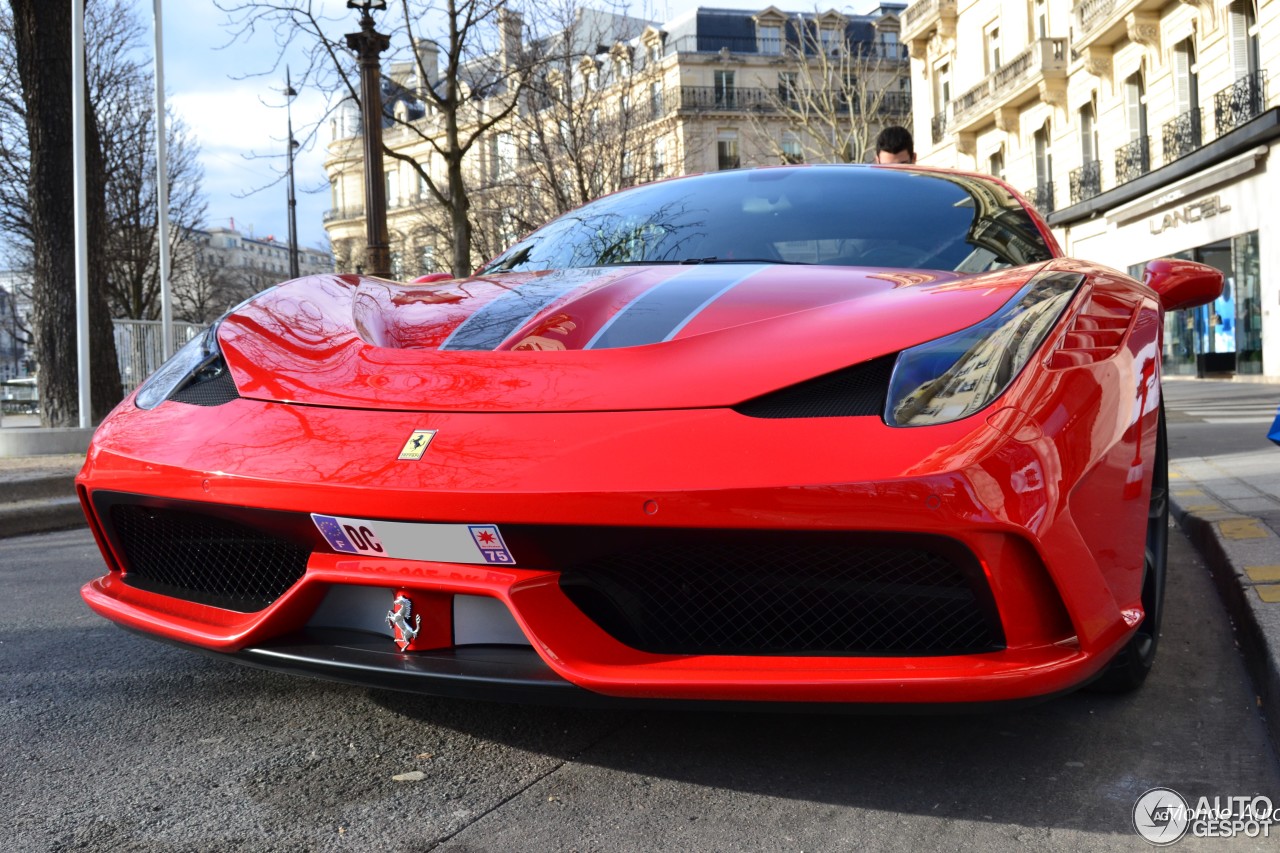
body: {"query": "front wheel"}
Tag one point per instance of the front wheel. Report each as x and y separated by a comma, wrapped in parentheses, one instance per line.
(1130, 667)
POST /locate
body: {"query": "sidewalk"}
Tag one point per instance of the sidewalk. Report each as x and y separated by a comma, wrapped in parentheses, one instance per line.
(1229, 507)
(38, 493)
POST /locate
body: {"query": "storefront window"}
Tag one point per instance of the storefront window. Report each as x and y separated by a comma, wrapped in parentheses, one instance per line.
(1226, 335)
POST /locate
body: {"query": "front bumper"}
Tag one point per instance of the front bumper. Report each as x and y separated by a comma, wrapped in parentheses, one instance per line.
(1031, 507)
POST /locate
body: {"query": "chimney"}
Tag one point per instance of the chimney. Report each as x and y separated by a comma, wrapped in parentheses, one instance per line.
(511, 31)
(429, 61)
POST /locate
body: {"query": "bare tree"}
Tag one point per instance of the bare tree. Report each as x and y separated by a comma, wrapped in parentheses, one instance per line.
(132, 201)
(833, 94)
(41, 39)
(475, 87)
(585, 127)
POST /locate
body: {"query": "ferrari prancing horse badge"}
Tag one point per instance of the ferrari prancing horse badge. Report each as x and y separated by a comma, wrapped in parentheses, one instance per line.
(398, 620)
(417, 444)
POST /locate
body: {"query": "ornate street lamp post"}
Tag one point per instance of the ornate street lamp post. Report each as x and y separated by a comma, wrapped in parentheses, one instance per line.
(290, 93)
(368, 44)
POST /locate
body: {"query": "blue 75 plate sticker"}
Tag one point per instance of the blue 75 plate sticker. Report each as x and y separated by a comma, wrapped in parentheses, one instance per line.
(402, 540)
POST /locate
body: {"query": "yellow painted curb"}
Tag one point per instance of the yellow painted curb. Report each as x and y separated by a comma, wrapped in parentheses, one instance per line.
(1189, 493)
(1242, 528)
(1269, 593)
(1263, 574)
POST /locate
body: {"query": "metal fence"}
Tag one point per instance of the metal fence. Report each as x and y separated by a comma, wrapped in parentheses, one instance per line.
(140, 347)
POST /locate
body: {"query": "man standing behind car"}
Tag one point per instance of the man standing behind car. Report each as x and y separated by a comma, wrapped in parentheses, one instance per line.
(895, 146)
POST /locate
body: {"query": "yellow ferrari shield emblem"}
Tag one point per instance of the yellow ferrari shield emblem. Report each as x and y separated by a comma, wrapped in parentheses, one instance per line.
(417, 444)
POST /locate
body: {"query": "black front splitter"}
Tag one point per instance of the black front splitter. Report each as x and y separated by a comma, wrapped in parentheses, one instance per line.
(508, 674)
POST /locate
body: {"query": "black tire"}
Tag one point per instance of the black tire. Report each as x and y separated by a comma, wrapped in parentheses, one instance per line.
(1130, 667)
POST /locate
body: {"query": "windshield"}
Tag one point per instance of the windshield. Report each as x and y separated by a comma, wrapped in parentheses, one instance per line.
(835, 215)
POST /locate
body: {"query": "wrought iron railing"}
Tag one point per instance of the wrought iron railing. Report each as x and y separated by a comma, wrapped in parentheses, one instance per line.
(1086, 181)
(1240, 102)
(713, 98)
(939, 127)
(1182, 135)
(1041, 197)
(343, 213)
(723, 98)
(1133, 160)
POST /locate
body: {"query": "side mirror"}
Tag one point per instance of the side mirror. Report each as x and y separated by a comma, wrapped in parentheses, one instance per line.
(1183, 284)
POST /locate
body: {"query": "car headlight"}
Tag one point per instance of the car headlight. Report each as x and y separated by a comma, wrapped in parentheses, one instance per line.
(950, 378)
(199, 361)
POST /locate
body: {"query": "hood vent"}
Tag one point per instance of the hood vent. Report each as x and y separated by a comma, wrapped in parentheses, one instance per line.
(855, 391)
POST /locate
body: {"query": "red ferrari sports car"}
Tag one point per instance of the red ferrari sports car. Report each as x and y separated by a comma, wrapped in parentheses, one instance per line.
(842, 434)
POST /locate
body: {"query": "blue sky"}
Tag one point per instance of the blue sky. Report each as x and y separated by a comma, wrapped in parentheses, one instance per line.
(239, 121)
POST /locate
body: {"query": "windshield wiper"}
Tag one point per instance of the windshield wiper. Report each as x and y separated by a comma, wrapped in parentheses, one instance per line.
(741, 261)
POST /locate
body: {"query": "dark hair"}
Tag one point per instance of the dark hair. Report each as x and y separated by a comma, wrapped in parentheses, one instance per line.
(895, 139)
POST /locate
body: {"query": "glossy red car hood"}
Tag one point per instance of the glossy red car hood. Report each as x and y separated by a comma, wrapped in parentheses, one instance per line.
(603, 339)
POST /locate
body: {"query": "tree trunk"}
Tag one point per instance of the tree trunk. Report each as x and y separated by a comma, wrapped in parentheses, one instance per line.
(42, 33)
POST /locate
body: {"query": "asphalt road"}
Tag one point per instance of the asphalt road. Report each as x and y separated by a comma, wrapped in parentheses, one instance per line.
(113, 742)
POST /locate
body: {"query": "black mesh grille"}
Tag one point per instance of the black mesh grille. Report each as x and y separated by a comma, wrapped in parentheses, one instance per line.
(211, 392)
(855, 391)
(204, 558)
(788, 597)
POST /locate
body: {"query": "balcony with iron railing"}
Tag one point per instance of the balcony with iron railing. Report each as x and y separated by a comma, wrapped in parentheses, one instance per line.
(1133, 160)
(744, 99)
(338, 214)
(939, 128)
(1241, 102)
(1086, 181)
(1182, 135)
(1102, 23)
(1028, 77)
(1041, 197)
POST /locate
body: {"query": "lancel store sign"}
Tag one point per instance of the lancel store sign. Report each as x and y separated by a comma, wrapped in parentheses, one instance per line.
(1194, 212)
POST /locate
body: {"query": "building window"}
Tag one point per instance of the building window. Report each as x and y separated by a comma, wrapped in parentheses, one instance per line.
(1183, 135)
(1242, 29)
(1134, 158)
(995, 165)
(991, 47)
(769, 39)
(659, 161)
(655, 99)
(727, 150)
(787, 88)
(392, 187)
(1039, 19)
(1088, 134)
(791, 150)
(829, 38)
(725, 93)
(506, 155)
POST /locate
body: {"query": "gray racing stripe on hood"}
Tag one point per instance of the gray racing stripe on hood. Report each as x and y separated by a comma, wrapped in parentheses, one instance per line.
(498, 319)
(661, 312)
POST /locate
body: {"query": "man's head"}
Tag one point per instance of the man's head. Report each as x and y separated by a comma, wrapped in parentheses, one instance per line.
(894, 145)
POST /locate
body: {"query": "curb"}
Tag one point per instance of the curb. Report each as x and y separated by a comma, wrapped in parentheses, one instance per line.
(18, 518)
(1242, 555)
